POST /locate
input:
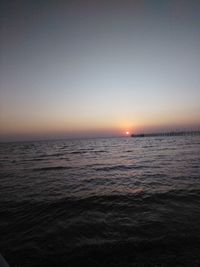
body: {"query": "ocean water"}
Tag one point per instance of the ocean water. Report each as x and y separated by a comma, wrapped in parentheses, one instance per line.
(101, 202)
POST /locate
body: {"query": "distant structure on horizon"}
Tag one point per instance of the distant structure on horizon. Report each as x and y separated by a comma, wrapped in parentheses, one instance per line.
(174, 133)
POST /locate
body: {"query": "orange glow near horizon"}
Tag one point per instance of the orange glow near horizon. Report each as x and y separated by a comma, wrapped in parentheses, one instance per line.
(88, 126)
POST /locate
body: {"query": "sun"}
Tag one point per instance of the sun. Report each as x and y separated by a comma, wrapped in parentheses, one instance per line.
(127, 133)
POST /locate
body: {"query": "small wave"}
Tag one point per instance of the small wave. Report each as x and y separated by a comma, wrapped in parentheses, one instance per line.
(78, 152)
(119, 168)
(34, 159)
(52, 168)
(50, 155)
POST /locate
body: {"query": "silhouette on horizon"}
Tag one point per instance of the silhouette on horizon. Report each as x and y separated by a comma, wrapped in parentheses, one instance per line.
(172, 133)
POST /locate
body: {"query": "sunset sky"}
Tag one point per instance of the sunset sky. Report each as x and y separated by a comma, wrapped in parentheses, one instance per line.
(98, 68)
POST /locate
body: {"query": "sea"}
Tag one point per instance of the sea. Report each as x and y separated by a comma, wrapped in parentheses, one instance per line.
(101, 202)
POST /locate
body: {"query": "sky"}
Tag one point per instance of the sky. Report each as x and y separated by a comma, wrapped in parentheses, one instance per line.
(98, 68)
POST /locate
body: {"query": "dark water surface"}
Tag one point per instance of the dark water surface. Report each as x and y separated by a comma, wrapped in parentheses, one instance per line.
(101, 202)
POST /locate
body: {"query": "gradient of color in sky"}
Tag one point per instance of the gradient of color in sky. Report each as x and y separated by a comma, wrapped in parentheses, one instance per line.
(91, 68)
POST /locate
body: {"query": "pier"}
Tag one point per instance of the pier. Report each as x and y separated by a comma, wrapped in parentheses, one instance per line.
(171, 133)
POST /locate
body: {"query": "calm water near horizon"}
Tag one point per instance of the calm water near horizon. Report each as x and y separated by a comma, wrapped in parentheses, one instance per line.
(103, 202)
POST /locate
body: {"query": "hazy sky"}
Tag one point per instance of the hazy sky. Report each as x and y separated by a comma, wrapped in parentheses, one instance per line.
(78, 68)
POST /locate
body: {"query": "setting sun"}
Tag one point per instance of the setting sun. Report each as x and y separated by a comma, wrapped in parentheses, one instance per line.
(127, 132)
